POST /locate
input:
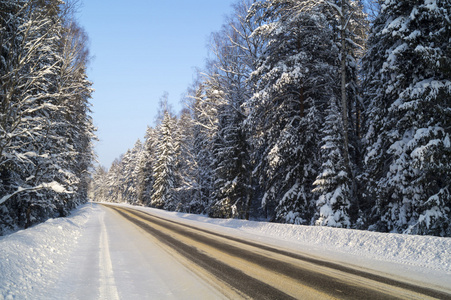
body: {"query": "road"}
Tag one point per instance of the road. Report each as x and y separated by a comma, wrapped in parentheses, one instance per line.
(114, 259)
(214, 265)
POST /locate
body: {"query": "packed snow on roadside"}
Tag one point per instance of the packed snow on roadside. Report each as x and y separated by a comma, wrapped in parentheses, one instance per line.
(32, 260)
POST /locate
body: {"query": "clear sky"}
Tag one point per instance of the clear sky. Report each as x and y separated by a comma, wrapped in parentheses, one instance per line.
(140, 49)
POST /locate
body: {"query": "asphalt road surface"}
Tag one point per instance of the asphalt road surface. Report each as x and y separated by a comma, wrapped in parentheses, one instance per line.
(239, 268)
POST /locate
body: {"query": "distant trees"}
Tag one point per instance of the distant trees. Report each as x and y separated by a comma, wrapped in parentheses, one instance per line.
(288, 123)
(45, 127)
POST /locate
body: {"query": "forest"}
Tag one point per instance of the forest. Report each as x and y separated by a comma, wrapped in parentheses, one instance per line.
(312, 112)
(46, 130)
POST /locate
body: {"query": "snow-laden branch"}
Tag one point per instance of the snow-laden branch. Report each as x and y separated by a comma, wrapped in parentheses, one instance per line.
(55, 186)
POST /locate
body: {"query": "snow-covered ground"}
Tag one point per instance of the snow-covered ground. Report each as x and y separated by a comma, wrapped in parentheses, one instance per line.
(60, 258)
(32, 260)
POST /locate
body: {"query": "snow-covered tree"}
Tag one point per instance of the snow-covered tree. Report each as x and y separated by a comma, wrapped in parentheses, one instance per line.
(75, 92)
(333, 184)
(203, 110)
(130, 173)
(231, 68)
(164, 172)
(231, 166)
(98, 186)
(45, 128)
(349, 23)
(185, 163)
(145, 165)
(294, 83)
(114, 192)
(408, 85)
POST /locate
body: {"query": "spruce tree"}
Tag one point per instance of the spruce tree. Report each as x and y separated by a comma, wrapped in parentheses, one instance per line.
(232, 192)
(333, 184)
(164, 172)
(145, 177)
(98, 188)
(185, 164)
(114, 193)
(294, 78)
(129, 174)
(407, 71)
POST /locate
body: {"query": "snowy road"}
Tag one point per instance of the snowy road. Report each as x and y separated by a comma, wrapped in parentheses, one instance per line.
(240, 268)
(116, 260)
(125, 252)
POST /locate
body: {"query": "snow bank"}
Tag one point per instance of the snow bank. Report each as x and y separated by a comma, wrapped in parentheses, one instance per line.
(31, 260)
(421, 251)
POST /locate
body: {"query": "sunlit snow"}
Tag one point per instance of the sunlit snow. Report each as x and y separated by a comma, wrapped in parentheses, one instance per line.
(60, 258)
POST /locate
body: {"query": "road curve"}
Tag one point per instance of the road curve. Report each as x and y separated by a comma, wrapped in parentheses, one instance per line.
(246, 269)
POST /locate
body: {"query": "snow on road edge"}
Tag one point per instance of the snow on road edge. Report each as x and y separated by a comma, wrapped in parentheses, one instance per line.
(31, 260)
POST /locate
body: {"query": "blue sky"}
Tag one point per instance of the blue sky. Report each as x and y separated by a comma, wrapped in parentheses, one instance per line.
(140, 49)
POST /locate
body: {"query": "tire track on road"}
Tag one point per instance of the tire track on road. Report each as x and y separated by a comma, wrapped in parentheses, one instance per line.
(249, 267)
(234, 279)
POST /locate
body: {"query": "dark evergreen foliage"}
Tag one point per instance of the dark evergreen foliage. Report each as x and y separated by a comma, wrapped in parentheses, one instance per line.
(408, 92)
(45, 127)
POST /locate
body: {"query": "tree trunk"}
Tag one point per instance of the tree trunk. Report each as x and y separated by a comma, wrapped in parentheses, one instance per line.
(301, 99)
(344, 101)
(28, 217)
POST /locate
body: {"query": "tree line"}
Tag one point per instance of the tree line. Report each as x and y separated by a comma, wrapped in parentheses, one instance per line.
(314, 112)
(46, 130)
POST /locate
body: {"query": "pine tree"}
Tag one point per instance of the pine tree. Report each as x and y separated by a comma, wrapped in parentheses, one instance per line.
(407, 71)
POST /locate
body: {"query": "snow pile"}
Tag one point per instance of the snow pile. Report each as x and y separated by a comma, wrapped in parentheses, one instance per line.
(31, 260)
(422, 251)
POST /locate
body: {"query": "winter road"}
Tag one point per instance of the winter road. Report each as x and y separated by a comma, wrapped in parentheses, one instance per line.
(235, 268)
